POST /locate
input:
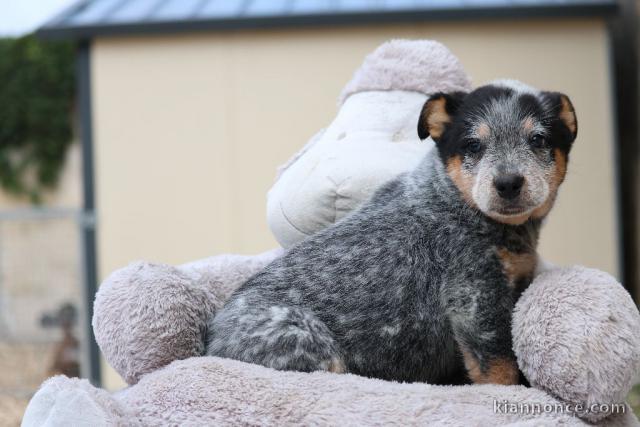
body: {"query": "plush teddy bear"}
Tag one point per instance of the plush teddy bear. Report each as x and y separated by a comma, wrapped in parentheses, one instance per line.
(574, 329)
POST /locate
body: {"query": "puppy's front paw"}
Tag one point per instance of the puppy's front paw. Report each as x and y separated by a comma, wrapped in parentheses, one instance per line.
(496, 371)
(337, 366)
(501, 371)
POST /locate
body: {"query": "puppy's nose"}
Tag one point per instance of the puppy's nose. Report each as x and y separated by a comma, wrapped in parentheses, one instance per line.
(509, 185)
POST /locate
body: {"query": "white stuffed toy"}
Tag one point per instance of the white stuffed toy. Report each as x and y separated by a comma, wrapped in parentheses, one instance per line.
(575, 329)
(372, 139)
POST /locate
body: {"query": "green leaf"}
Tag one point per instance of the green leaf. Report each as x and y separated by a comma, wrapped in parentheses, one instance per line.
(37, 93)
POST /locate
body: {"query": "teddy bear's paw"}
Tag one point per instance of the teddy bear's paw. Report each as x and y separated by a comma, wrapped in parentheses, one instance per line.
(147, 315)
(575, 334)
(63, 401)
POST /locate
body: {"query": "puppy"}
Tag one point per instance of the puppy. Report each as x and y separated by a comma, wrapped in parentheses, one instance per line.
(420, 282)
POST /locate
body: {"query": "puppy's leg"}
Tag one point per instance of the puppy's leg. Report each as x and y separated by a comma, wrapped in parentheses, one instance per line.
(277, 336)
(490, 369)
(481, 322)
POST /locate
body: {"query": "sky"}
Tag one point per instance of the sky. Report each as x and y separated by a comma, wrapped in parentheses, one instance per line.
(19, 17)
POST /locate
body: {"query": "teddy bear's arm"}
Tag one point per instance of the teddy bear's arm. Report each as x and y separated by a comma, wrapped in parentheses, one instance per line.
(147, 315)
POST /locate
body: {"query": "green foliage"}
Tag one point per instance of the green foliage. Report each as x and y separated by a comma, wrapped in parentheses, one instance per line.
(36, 101)
(634, 399)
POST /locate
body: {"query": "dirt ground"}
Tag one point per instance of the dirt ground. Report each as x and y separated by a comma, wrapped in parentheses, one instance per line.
(23, 367)
(11, 410)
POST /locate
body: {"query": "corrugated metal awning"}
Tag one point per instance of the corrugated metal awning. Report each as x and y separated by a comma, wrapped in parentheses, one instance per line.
(91, 18)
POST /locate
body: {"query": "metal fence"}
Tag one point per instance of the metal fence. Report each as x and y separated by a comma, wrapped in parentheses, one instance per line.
(43, 307)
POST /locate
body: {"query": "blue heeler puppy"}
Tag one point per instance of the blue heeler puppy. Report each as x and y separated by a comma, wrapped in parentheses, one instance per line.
(420, 282)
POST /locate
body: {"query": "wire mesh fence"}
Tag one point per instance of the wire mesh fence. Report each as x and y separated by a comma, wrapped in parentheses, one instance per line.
(42, 306)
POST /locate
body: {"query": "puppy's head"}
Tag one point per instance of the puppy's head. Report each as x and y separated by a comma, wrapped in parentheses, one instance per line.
(505, 146)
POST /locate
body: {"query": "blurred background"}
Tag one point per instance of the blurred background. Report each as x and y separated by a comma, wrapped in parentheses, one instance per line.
(152, 129)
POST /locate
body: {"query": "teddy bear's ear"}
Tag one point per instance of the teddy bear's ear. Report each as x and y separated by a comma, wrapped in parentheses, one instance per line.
(561, 107)
(437, 114)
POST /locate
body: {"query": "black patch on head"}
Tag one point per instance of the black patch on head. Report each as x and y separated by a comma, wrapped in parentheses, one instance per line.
(559, 134)
(465, 109)
(530, 106)
(457, 135)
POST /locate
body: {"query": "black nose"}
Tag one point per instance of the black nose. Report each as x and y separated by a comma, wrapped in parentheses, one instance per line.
(509, 185)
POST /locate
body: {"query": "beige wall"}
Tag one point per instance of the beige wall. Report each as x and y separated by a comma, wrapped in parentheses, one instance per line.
(189, 129)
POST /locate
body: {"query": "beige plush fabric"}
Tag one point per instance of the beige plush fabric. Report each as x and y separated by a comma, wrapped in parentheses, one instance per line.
(423, 66)
(63, 401)
(147, 315)
(577, 336)
(221, 392)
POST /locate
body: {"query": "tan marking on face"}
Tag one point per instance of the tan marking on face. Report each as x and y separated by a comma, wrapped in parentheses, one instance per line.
(437, 117)
(517, 266)
(483, 131)
(557, 178)
(561, 167)
(527, 125)
(337, 366)
(500, 371)
(461, 179)
(568, 115)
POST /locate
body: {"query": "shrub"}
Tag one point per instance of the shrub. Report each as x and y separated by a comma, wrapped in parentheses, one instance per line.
(36, 101)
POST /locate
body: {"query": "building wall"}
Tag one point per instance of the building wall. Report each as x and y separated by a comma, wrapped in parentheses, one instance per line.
(189, 129)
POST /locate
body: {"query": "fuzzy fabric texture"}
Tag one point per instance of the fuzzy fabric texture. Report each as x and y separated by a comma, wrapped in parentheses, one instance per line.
(222, 392)
(372, 139)
(576, 336)
(423, 66)
(147, 315)
(63, 401)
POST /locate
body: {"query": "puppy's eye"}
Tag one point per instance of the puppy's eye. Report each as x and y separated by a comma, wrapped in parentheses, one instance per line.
(474, 146)
(538, 141)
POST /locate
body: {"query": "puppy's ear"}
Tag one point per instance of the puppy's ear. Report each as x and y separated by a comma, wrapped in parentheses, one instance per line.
(562, 109)
(437, 114)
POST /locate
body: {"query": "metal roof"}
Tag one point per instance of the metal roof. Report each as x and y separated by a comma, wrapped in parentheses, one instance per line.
(90, 18)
